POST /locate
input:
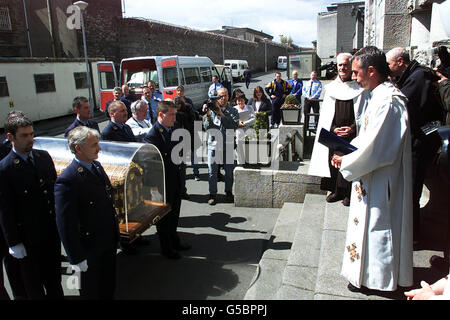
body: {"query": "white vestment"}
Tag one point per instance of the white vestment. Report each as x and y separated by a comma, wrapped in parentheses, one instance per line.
(379, 246)
(336, 90)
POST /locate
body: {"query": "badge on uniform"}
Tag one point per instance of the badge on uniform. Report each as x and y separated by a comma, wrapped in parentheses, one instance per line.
(16, 161)
(115, 128)
(161, 130)
(80, 169)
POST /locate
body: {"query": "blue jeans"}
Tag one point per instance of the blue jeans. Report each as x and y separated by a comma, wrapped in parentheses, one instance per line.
(212, 173)
(195, 166)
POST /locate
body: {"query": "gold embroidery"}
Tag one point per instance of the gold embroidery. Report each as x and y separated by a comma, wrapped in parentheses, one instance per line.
(356, 221)
(353, 254)
(366, 122)
(361, 192)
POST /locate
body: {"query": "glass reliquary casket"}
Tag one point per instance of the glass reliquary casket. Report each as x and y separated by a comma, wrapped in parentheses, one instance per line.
(136, 172)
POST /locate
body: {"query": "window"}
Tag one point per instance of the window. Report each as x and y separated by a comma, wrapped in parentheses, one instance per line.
(80, 80)
(5, 21)
(44, 82)
(182, 77)
(191, 75)
(205, 72)
(170, 76)
(107, 80)
(4, 92)
(234, 66)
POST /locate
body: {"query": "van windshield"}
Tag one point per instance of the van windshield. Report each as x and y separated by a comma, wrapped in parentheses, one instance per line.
(138, 79)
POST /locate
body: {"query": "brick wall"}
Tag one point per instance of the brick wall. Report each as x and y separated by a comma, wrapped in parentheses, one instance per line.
(13, 43)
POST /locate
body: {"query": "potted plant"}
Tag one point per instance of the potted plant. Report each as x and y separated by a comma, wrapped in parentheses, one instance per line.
(258, 145)
(291, 110)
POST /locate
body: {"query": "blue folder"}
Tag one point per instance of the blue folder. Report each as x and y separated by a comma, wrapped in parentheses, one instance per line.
(334, 142)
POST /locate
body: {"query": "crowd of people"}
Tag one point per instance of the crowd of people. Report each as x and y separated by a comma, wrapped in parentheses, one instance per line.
(380, 103)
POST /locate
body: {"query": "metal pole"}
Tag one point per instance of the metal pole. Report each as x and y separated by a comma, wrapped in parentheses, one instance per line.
(50, 28)
(28, 29)
(265, 55)
(87, 66)
(223, 50)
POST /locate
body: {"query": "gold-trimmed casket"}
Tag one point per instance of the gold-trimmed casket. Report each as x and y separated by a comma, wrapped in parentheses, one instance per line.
(136, 172)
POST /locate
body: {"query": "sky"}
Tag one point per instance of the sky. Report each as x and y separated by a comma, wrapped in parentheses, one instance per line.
(295, 18)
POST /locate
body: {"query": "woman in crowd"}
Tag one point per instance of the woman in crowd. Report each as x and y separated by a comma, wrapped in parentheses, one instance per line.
(246, 120)
(260, 102)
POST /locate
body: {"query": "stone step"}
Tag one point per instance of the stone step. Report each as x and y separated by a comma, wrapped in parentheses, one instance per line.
(299, 276)
(268, 277)
(330, 285)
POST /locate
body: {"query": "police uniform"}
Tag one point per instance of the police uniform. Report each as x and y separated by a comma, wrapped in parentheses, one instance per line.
(88, 226)
(90, 124)
(27, 216)
(160, 137)
(118, 132)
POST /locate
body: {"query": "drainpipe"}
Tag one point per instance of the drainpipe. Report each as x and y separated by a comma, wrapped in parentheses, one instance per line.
(50, 28)
(28, 29)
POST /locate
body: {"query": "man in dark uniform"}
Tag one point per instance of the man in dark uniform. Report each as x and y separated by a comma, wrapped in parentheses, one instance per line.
(117, 129)
(160, 136)
(118, 96)
(82, 108)
(27, 211)
(415, 82)
(86, 217)
(277, 90)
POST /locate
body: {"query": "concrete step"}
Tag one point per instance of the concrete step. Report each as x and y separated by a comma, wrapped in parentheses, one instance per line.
(268, 277)
(299, 276)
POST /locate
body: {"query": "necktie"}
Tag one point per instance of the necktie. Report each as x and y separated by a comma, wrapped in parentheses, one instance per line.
(95, 171)
(310, 89)
(30, 161)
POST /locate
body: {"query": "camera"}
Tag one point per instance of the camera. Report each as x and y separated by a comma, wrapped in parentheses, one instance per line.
(211, 104)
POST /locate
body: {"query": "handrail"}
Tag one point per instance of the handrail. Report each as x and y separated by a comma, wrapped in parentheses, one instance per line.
(285, 149)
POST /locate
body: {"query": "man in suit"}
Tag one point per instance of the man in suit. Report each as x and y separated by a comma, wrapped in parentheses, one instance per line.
(160, 136)
(86, 217)
(27, 211)
(82, 108)
(118, 96)
(117, 130)
(297, 86)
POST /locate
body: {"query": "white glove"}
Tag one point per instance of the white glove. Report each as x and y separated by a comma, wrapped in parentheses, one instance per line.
(18, 251)
(82, 266)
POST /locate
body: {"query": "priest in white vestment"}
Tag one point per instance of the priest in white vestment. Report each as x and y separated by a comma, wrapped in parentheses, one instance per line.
(138, 124)
(378, 250)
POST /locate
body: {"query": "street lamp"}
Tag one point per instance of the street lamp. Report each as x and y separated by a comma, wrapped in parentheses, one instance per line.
(83, 5)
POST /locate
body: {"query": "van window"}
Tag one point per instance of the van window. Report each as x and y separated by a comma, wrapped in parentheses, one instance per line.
(182, 76)
(44, 82)
(80, 80)
(234, 66)
(205, 72)
(107, 80)
(170, 76)
(242, 66)
(4, 92)
(227, 64)
(191, 75)
(137, 79)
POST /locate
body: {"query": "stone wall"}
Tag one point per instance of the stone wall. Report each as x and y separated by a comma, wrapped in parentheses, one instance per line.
(13, 43)
(139, 37)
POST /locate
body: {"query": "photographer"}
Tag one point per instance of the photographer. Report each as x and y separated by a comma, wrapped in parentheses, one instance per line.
(220, 116)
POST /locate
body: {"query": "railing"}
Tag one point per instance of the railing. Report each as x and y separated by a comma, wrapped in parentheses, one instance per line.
(287, 149)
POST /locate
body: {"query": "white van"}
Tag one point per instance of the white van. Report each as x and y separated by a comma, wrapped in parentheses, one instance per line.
(168, 72)
(237, 68)
(282, 62)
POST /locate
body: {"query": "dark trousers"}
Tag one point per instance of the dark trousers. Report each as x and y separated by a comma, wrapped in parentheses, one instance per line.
(338, 185)
(41, 275)
(167, 226)
(315, 106)
(276, 112)
(99, 281)
(247, 82)
(423, 154)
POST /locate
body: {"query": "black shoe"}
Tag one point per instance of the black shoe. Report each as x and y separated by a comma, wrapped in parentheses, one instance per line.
(346, 202)
(229, 196)
(333, 197)
(352, 288)
(171, 254)
(439, 263)
(182, 247)
(212, 200)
